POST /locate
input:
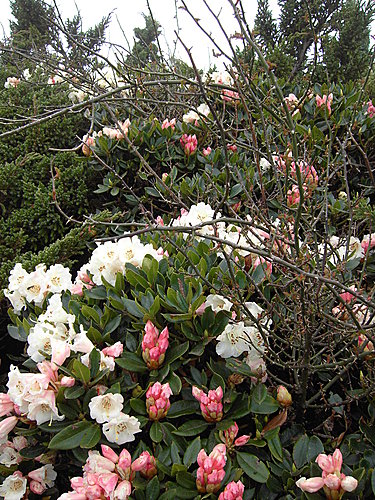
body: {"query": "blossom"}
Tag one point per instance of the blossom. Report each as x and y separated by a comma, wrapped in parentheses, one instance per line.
(6, 404)
(45, 475)
(234, 340)
(207, 151)
(211, 469)
(218, 303)
(106, 407)
(145, 464)
(87, 142)
(368, 241)
(121, 130)
(14, 487)
(157, 400)
(370, 109)
(12, 81)
(6, 426)
(168, 124)
(154, 346)
(324, 101)
(189, 144)
(291, 101)
(42, 408)
(210, 403)
(229, 437)
(230, 96)
(59, 278)
(121, 429)
(233, 491)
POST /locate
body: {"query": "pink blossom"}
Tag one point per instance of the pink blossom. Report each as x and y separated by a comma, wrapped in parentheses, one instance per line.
(114, 350)
(6, 405)
(233, 491)
(108, 482)
(349, 483)
(311, 485)
(230, 96)
(154, 346)
(211, 469)
(159, 220)
(167, 124)
(67, 381)
(324, 101)
(60, 352)
(291, 101)
(123, 491)
(107, 452)
(157, 400)
(232, 147)
(330, 463)
(145, 464)
(283, 396)
(210, 404)
(370, 109)
(6, 426)
(293, 195)
(77, 289)
(229, 437)
(368, 241)
(37, 488)
(124, 462)
(189, 144)
(207, 151)
(347, 296)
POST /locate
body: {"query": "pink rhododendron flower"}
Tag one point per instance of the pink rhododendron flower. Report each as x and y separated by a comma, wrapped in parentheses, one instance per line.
(210, 404)
(229, 437)
(324, 101)
(157, 400)
(233, 491)
(189, 144)
(232, 147)
(211, 469)
(293, 195)
(6, 426)
(207, 151)
(368, 241)
(230, 96)
(6, 405)
(114, 350)
(154, 345)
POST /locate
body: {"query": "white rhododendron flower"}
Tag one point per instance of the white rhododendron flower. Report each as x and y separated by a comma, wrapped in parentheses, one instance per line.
(218, 303)
(13, 487)
(17, 279)
(339, 250)
(234, 340)
(59, 278)
(190, 117)
(16, 299)
(9, 456)
(121, 429)
(106, 407)
(43, 408)
(36, 285)
(82, 343)
(197, 215)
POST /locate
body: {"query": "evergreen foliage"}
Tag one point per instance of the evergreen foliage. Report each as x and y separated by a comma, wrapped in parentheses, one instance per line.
(145, 50)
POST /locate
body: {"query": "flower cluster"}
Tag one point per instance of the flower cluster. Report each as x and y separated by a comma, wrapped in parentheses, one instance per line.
(154, 346)
(370, 109)
(118, 427)
(108, 475)
(33, 287)
(12, 81)
(110, 258)
(230, 439)
(39, 480)
(324, 101)
(233, 491)
(211, 405)
(211, 469)
(157, 400)
(333, 481)
(194, 117)
(189, 144)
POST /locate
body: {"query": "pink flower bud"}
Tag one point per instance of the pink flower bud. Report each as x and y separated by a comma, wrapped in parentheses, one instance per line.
(211, 469)
(311, 485)
(6, 426)
(37, 488)
(337, 460)
(6, 405)
(349, 483)
(108, 482)
(107, 452)
(210, 404)
(189, 144)
(49, 370)
(154, 346)
(242, 440)
(332, 482)
(123, 490)
(145, 464)
(207, 151)
(67, 381)
(125, 460)
(60, 351)
(114, 350)
(233, 491)
(77, 289)
(157, 400)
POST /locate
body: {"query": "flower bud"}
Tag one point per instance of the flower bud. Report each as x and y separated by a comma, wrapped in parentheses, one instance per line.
(283, 396)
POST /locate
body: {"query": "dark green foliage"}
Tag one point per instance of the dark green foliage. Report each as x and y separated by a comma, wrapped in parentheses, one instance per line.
(33, 28)
(145, 50)
(265, 26)
(346, 53)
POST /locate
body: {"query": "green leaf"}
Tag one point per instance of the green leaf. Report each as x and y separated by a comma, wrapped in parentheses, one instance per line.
(70, 437)
(261, 402)
(373, 481)
(175, 352)
(183, 407)
(253, 467)
(191, 453)
(81, 371)
(132, 308)
(191, 428)
(138, 405)
(90, 313)
(156, 433)
(186, 480)
(300, 451)
(153, 489)
(91, 437)
(112, 325)
(94, 362)
(131, 362)
(274, 444)
(315, 447)
(74, 392)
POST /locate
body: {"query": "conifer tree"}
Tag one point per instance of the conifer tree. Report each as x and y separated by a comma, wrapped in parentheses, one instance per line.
(145, 50)
(265, 26)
